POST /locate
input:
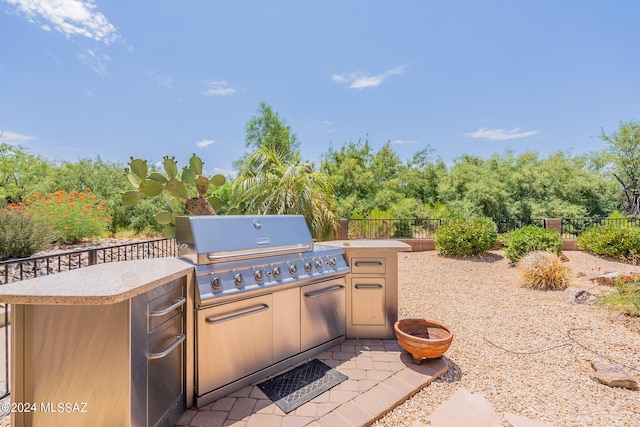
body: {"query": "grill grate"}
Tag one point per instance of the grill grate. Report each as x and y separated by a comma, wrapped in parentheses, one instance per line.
(298, 386)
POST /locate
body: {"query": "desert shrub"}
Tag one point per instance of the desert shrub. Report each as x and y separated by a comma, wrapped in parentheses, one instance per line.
(531, 238)
(544, 270)
(626, 297)
(610, 240)
(20, 235)
(73, 216)
(462, 236)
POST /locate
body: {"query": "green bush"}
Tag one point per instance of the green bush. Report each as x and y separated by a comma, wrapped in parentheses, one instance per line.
(21, 236)
(531, 238)
(626, 297)
(462, 236)
(611, 240)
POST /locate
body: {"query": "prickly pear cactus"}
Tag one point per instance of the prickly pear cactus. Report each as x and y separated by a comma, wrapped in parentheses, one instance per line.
(187, 189)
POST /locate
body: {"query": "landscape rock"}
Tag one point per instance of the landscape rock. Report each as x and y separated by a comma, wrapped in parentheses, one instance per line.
(612, 375)
(579, 296)
(607, 278)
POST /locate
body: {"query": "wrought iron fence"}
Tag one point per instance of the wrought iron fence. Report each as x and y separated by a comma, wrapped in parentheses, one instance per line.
(425, 228)
(28, 268)
(422, 228)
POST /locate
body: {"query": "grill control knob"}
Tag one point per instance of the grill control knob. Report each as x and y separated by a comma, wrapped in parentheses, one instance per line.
(276, 272)
(238, 279)
(258, 275)
(308, 266)
(216, 283)
(293, 269)
(333, 262)
(319, 264)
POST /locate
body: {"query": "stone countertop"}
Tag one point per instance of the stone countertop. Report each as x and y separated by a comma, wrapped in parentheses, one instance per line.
(107, 283)
(369, 244)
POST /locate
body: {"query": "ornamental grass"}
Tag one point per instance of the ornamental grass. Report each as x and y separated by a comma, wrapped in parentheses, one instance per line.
(544, 271)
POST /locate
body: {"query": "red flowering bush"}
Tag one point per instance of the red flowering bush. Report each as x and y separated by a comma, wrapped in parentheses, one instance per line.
(626, 296)
(73, 217)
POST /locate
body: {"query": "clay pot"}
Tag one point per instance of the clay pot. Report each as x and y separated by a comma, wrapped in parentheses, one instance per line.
(423, 338)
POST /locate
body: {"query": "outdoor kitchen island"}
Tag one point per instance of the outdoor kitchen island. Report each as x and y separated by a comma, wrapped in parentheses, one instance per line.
(102, 345)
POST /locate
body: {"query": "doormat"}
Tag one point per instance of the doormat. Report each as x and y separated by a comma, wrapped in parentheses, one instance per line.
(301, 384)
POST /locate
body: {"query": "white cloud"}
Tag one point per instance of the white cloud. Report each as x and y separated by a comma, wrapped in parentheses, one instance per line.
(501, 134)
(162, 81)
(69, 17)
(362, 80)
(96, 61)
(403, 142)
(205, 143)
(15, 138)
(218, 88)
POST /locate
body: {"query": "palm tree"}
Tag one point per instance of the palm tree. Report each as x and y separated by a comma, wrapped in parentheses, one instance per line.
(274, 184)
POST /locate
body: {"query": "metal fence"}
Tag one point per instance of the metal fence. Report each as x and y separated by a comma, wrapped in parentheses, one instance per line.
(27, 268)
(425, 228)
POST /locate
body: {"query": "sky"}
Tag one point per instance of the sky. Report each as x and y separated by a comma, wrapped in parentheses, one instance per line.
(149, 78)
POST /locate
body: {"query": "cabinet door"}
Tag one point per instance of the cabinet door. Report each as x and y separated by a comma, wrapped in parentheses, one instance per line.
(234, 340)
(322, 312)
(368, 301)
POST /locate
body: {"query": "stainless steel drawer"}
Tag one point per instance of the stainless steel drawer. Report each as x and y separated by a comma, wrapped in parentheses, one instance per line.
(368, 265)
(368, 302)
(322, 312)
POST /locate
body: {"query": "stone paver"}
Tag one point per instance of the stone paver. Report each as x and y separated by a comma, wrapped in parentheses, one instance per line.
(464, 408)
(380, 375)
(520, 421)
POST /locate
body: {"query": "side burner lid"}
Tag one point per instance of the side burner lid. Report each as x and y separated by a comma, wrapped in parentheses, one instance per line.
(212, 238)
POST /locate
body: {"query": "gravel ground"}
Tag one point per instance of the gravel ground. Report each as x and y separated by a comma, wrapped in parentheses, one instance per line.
(528, 352)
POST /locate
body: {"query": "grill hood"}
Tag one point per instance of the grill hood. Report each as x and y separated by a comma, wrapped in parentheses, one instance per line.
(212, 239)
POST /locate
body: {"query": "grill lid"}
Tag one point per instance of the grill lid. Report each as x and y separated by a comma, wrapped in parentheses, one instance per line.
(212, 238)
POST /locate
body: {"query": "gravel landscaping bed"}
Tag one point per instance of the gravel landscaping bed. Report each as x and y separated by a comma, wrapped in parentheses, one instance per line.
(528, 352)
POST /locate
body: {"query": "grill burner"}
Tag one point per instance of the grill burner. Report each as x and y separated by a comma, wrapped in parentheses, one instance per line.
(241, 256)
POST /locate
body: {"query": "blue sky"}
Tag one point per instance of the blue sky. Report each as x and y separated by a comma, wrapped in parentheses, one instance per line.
(148, 78)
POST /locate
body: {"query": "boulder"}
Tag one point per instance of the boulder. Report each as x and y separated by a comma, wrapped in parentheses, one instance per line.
(579, 296)
(612, 375)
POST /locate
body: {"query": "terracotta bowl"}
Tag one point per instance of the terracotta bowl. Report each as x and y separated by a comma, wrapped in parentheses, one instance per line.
(423, 338)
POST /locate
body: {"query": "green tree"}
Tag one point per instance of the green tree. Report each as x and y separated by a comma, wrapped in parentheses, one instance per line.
(266, 129)
(277, 185)
(354, 184)
(624, 146)
(19, 170)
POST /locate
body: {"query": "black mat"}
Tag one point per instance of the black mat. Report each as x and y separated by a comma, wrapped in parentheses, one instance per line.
(301, 384)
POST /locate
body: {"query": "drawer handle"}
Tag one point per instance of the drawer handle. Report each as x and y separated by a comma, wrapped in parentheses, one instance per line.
(363, 286)
(181, 337)
(252, 310)
(324, 291)
(368, 264)
(178, 303)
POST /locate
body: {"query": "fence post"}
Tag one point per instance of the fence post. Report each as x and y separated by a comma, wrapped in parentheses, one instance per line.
(93, 257)
(343, 229)
(553, 224)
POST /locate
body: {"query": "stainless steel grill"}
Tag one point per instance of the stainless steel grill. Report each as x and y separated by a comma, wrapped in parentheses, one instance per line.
(265, 296)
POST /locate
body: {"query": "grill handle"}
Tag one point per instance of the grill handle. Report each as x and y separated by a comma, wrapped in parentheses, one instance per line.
(324, 291)
(178, 303)
(258, 253)
(180, 338)
(250, 311)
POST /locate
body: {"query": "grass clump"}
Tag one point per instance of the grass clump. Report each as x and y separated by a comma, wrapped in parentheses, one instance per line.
(531, 238)
(462, 236)
(626, 297)
(21, 235)
(544, 271)
(611, 240)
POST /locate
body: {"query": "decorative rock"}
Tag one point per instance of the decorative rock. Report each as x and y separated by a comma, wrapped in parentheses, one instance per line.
(579, 296)
(607, 278)
(520, 421)
(612, 375)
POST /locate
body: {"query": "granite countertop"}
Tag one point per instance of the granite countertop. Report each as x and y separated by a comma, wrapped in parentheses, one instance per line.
(369, 244)
(107, 283)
